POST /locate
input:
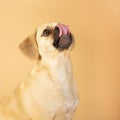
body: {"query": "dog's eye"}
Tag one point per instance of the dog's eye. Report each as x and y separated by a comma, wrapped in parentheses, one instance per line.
(46, 32)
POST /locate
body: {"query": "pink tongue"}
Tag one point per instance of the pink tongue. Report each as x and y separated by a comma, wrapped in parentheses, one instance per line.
(64, 29)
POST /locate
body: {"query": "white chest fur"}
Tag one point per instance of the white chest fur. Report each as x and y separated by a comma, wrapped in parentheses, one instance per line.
(49, 93)
(54, 91)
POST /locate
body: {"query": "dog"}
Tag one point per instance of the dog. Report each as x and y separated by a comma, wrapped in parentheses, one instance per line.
(49, 92)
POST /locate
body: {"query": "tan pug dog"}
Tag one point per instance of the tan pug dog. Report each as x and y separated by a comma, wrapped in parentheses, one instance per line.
(49, 92)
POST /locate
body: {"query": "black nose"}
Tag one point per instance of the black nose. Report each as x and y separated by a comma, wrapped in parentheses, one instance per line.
(62, 37)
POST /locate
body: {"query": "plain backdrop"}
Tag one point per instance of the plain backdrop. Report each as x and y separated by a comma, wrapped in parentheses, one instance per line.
(95, 58)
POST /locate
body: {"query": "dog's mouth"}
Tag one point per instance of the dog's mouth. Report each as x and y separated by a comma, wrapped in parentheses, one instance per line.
(62, 37)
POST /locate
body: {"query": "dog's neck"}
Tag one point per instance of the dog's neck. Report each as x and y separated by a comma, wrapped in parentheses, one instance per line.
(60, 64)
(58, 71)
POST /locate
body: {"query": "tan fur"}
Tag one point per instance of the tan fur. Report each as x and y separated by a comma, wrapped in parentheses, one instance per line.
(29, 47)
(49, 92)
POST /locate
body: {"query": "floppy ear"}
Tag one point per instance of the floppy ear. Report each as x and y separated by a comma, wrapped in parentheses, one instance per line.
(29, 47)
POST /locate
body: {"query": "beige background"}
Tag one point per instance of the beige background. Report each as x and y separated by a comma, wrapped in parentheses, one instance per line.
(96, 57)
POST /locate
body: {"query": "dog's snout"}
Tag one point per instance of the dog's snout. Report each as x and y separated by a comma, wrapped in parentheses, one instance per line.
(62, 37)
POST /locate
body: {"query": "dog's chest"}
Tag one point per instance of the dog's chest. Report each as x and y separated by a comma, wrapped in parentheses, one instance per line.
(54, 94)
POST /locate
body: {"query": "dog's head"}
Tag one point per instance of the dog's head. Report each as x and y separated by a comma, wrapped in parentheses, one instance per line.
(48, 40)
